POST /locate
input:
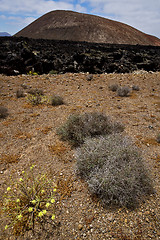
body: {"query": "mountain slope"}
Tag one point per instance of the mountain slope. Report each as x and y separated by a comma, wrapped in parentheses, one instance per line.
(4, 34)
(73, 26)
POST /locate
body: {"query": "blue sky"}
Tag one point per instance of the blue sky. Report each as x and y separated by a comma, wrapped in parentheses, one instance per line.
(141, 14)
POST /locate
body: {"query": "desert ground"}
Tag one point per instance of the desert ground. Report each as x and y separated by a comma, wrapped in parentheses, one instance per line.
(28, 136)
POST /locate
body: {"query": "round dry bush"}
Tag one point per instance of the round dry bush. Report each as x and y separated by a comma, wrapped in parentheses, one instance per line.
(158, 138)
(113, 87)
(56, 100)
(135, 88)
(114, 170)
(19, 93)
(123, 91)
(78, 127)
(3, 112)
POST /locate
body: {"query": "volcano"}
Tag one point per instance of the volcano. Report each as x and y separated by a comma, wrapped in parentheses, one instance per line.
(74, 26)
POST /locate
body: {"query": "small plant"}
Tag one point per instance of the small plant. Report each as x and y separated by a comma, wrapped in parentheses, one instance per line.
(29, 201)
(89, 77)
(78, 127)
(3, 112)
(123, 91)
(56, 100)
(158, 138)
(32, 73)
(53, 72)
(19, 93)
(113, 87)
(114, 170)
(34, 99)
(135, 88)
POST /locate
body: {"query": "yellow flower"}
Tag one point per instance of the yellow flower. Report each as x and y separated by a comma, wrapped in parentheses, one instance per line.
(52, 200)
(6, 227)
(33, 201)
(32, 167)
(44, 211)
(8, 189)
(54, 190)
(42, 191)
(40, 214)
(30, 209)
(21, 179)
(47, 204)
(18, 200)
(22, 172)
(53, 217)
(19, 216)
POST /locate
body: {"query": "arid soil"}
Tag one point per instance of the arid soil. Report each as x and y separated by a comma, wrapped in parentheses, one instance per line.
(28, 136)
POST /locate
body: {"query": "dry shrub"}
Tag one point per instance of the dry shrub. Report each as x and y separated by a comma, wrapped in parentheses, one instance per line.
(135, 88)
(114, 170)
(123, 91)
(158, 138)
(78, 127)
(64, 186)
(89, 77)
(19, 93)
(113, 87)
(3, 112)
(56, 100)
(9, 158)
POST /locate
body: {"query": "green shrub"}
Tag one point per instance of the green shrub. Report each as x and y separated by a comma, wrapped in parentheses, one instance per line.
(123, 91)
(29, 202)
(3, 112)
(78, 127)
(56, 100)
(114, 170)
(113, 87)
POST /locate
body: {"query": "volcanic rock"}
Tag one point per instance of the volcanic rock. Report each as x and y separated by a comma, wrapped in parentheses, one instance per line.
(24, 55)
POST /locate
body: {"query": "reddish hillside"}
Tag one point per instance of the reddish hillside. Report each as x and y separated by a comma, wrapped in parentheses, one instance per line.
(73, 26)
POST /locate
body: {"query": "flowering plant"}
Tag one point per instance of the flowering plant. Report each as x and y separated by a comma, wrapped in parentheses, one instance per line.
(29, 201)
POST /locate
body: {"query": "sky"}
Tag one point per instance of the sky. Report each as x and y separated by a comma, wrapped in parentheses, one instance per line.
(141, 14)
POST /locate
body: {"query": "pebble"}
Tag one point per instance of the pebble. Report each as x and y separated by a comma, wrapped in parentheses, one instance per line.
(80, 227)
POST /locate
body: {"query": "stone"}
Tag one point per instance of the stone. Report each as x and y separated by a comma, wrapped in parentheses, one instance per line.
(80, 227)
(17, 56)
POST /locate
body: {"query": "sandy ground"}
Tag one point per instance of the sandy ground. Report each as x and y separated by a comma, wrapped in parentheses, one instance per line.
(28, 136)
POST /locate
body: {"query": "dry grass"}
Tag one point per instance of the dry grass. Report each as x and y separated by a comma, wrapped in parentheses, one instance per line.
(150, 141)
(60, 149)
(9, 158)
(23, 135)
(65, 186)
(46, 130)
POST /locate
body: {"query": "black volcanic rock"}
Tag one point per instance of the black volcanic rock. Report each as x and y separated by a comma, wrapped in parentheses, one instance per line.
(73, 26)
(21, 55)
